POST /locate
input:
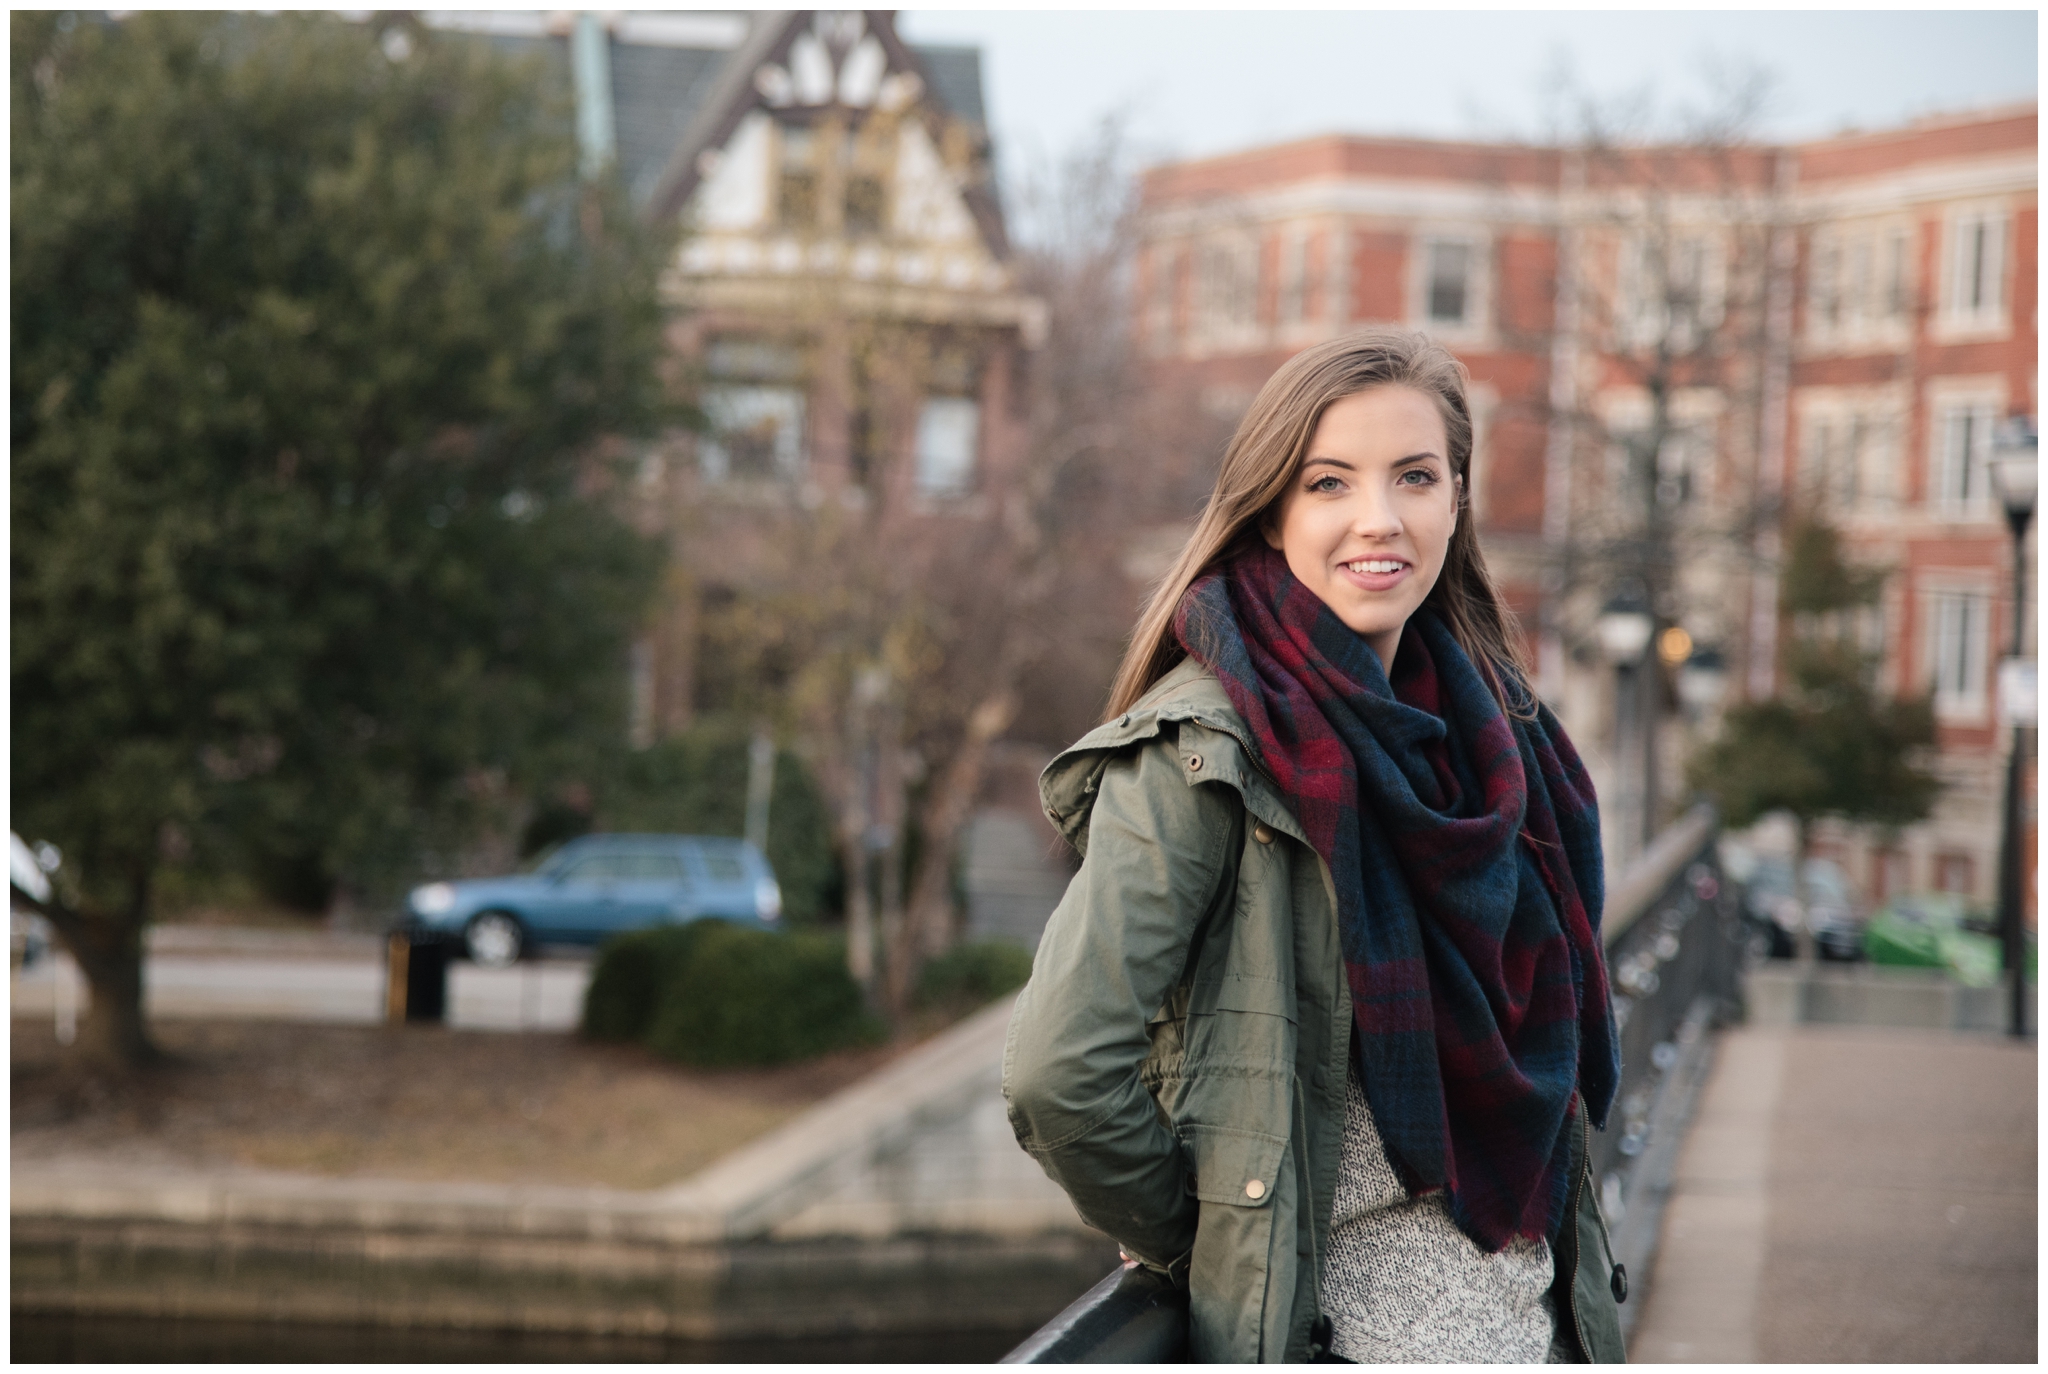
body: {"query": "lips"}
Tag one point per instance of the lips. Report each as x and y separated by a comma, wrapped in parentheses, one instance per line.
(1376, 574)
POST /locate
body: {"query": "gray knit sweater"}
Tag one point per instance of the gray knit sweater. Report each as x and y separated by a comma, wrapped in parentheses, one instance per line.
(1404, 1285)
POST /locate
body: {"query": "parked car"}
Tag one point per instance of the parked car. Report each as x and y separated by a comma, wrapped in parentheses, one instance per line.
(1833, 912)
(1941, 930)
(596, 886)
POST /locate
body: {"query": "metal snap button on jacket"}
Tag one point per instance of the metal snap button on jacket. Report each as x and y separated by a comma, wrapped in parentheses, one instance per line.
(1194, 763)
(1619, 1283)
(1255, 1190)
(1263, 833)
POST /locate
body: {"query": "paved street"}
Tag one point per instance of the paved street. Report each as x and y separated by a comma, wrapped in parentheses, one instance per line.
(314, 980)
(1852, 1193)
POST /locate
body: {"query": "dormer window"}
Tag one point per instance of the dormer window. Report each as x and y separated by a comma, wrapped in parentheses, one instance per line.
(834, 179)
(797, 195)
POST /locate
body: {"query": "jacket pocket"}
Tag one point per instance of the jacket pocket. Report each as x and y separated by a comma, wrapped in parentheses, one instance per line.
(1236, 1174)
(1239, 992)
(1230, 1165)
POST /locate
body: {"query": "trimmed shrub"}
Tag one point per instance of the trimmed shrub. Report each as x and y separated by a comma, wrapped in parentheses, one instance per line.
(632, 969)
(973, 975)
(754, 997)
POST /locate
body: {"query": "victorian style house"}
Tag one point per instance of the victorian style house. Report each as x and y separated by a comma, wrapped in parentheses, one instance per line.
(844, 302)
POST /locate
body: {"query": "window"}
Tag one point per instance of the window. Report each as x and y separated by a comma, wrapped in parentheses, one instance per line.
(1226, 286)
(1294, 284)
(948, 433)
(1676, 473)
(1835, 461)
(866, 158)
(1671, 286)
(1959, 638)
(1448, 288)
(1898, 278)
(721, 864)
(627, 868)
(1823, 295)
(1160, 295)
(796, 203)
(1859, 280)
(1976, 268)
(1956, 873)
(1963, 431)
(757, 432)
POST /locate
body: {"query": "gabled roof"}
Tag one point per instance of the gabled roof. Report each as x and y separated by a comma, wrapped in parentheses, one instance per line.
(671, 102)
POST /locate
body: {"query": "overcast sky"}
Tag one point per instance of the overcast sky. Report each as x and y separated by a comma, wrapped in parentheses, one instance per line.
(1201, 82)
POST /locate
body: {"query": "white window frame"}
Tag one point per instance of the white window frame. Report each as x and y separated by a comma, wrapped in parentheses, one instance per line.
(1975, 259)
(1641, 320)
(1859, 284)
(1895, 271)
(1824, 285)
(735, 405)
(944, 466)
(1293, 302)
(1959, 447)
(1478, 246)
(1958, 644)
(1225, 306)
(1854, 470)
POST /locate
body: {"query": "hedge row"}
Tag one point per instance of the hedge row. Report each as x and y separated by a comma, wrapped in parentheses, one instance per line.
(718, 995)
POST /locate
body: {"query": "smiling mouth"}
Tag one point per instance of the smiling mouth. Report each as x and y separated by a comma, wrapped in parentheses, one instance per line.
(1367, 567)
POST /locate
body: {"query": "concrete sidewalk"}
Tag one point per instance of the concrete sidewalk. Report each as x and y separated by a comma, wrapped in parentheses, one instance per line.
(1851, 1193)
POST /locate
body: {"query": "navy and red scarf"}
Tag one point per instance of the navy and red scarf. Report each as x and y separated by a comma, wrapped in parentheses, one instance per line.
(1465, 847)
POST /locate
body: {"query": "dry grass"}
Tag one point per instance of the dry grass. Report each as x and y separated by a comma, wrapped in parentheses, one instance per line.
(419, 1103)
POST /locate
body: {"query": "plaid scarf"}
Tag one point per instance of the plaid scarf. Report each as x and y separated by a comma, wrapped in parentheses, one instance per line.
(1465, 848)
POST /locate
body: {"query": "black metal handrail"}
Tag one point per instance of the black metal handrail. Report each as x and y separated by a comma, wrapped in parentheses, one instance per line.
(1135, 1316)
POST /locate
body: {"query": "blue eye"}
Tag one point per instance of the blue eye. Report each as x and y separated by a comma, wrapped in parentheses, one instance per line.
(1325, 483)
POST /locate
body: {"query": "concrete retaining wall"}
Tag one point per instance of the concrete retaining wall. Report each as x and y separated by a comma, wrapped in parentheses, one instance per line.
(1869, 995)
(899, 1205)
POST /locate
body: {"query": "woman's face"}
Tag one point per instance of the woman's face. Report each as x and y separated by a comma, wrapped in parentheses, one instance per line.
(1367, 520)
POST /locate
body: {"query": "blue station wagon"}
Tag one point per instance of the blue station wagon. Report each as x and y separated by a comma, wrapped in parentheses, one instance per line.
(596, 886)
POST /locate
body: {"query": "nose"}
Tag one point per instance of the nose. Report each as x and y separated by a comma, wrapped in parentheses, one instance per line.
(1373, 516)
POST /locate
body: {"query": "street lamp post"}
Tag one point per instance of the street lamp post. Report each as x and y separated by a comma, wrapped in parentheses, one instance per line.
(1624, 629)
(2015, 474)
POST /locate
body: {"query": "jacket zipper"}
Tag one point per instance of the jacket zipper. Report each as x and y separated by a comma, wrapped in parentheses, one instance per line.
(1571, 1291)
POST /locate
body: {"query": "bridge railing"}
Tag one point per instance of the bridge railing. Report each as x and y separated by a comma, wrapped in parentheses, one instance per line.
(1672, 928)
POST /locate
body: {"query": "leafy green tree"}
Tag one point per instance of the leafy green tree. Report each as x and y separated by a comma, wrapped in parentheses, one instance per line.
(318, 560)
(1830, 744)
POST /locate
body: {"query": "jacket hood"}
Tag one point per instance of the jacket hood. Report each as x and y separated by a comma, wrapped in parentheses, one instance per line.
(1213, 741)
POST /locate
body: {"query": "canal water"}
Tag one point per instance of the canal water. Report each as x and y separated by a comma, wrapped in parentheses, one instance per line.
(45, 1339)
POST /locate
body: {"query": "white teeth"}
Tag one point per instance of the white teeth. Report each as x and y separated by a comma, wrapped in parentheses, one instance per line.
(1376, 565)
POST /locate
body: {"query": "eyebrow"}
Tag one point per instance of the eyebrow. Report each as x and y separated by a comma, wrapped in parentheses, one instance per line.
(1427, 455)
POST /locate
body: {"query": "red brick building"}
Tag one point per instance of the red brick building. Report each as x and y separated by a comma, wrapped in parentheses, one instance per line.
(1709, 334)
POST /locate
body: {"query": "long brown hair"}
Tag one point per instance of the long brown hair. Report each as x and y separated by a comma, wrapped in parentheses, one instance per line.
(1263, 457)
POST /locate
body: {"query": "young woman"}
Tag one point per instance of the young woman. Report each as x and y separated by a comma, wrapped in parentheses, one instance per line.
(1319, 1026)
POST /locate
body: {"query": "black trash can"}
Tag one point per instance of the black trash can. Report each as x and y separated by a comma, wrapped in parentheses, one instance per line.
(416, 985)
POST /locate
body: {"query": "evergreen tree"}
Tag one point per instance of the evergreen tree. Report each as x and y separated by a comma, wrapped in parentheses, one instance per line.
(1830, 743)
(315, 563)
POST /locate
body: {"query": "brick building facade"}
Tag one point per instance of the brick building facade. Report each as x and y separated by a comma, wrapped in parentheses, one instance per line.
(1707, 337)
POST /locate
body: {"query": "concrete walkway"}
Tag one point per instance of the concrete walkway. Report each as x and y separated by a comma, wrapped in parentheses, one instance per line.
(1852, 1193)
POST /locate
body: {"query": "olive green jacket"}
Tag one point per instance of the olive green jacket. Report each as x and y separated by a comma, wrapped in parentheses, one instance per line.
(1177, 1061)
